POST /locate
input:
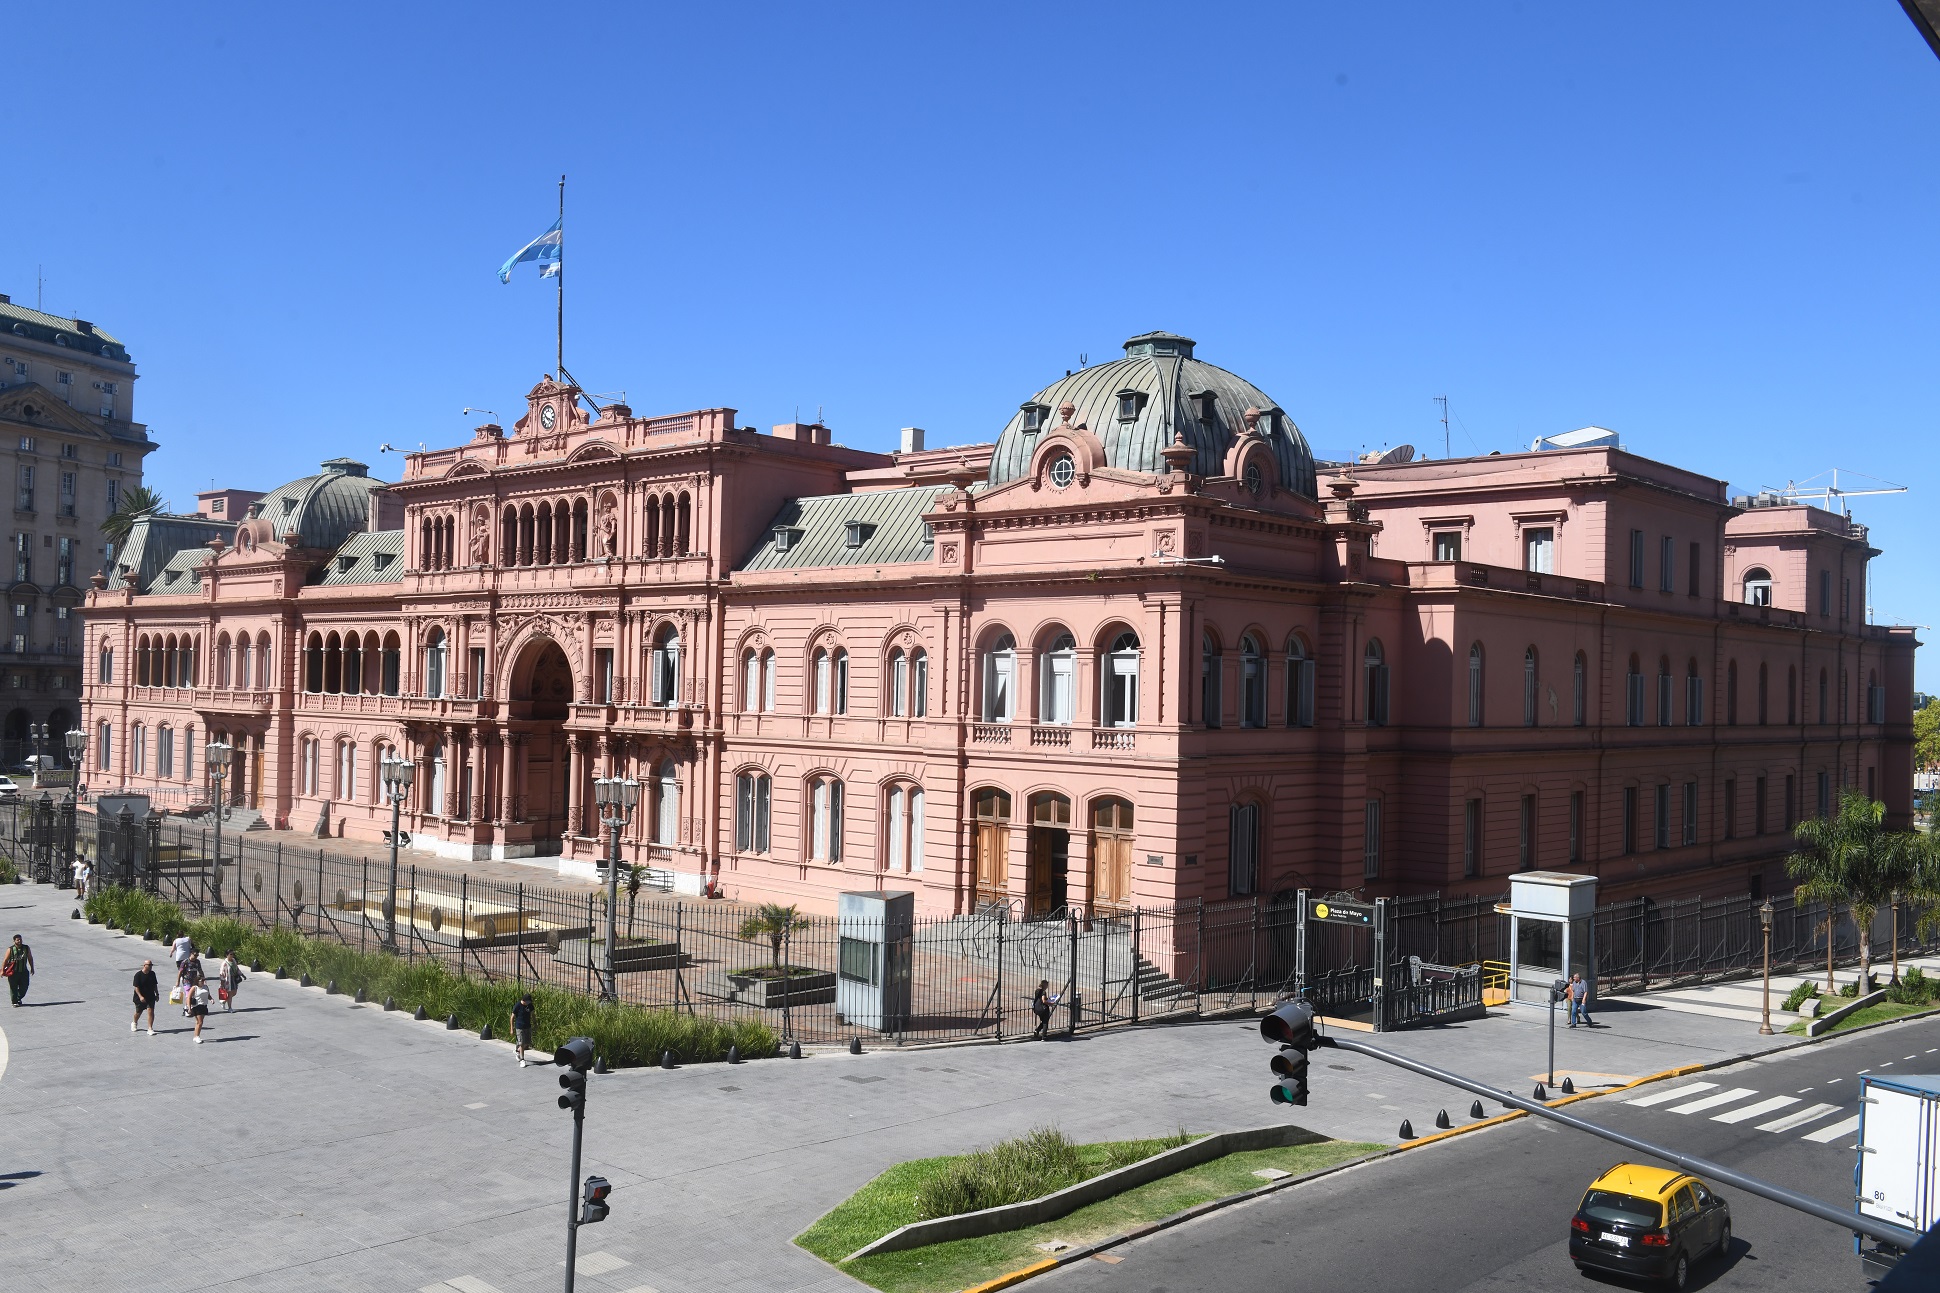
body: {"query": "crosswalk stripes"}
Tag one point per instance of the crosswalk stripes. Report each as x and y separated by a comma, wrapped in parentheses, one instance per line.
(1741, 1104)
(1800, 1118)
(1826, 1135)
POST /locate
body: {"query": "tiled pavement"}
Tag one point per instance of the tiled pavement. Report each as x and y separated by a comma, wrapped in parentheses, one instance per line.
(314, 1144)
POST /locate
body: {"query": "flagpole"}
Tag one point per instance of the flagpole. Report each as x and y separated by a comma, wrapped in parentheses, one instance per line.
(559, 333)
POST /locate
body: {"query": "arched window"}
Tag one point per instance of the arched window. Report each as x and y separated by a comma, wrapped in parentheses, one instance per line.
(1118, 707)
(1300, 683)
(751, 681)
(105, 673)
(307, 767)
(666, 805)
(333, 664)
(1731, 693)
(1530, 683)
(542, 535)
(164, 751)
(840, 695)
(528, 527)
(265, 675)
(1057, 676)
(898, 697)
(823, 675)
(222, 662)
(999, 678)
(663, 668)
(579, 530)
(434, 785)
(346, 770)
(508, 536)
(1579, 699)
(353, 665)
(104, 746)
(1243, 849)
(1633, 694)
(1374, 683)
(1475, 684)
(1664, 701)
(313, 664)
(825, 819)
(1764, 696)
(903, 828)
(242, 662)
(435, 650)
(1758, 587)
(768, 682)
(1693, 695)
(919, 683)
(683, 519)
(1252, 682)
(1211, 703)
(751, 812)
(391, 658)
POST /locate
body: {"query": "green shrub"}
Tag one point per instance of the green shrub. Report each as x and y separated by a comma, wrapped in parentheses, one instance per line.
(1850, 990)
(1913, 989)
(627, 1035)
(7, 873)
(1011, 1171)
(1800, 995)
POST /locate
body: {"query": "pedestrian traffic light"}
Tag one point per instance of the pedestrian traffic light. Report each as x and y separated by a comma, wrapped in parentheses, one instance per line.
(1291, 1027)
(577, 1053)
(593, 1200)
(574, 1083)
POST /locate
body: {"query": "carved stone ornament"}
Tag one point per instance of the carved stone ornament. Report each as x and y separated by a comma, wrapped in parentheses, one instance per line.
(948, 553)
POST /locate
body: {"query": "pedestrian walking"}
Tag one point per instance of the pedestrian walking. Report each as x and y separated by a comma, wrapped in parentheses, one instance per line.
(521, 1027)
(1041, 1002)
(182, 949)
(228, 981)
(147, 991)
(188, 980)
(1579, 1001)
(18, 967)
(82, 874)
(198, 1007)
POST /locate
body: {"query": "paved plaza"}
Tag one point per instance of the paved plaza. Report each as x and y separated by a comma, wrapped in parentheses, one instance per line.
(316, 1144)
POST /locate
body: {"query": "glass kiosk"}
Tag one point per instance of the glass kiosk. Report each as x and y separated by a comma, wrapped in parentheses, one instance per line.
(1552, 933)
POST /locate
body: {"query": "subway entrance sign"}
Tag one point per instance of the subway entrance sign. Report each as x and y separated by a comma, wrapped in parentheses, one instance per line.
(1331, 912)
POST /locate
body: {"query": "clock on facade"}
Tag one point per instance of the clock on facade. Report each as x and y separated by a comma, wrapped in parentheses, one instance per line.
(546, 416)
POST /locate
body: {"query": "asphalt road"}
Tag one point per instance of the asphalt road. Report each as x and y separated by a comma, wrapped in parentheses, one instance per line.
(1490, 1210)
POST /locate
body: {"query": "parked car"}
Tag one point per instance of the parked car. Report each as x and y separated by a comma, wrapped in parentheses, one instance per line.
(8, 786)
(1649, 1222)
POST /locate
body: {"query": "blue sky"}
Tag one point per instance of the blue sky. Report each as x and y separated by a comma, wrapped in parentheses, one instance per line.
(1710, 232)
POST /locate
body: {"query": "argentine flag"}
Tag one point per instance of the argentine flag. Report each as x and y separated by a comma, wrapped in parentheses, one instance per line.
(544, 249)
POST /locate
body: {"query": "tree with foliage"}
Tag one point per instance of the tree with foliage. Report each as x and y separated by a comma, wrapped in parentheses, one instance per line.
(1926, 735)
(135, 504)
(773, 922)
(634, 875)
(1851, 858)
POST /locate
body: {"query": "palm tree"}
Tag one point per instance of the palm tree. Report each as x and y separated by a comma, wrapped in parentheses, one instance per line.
(1851, 858)
(773, 922)
(135, 504)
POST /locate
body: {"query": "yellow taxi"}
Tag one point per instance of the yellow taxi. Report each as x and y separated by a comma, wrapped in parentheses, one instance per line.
(1649, 1222)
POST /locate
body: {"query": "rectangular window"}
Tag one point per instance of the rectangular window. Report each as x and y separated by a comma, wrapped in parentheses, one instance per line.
(1633, 710)
(64, 565)
(751, 812)
(1576, 826)
(1730, 808)
(998, 670)
(1527, 856)
(1664, 701)
(1539, 550)
(1243, 849)
(164, 752)
(1661, 836)
(1371, 840)
(1825, 794)
(856, 959)
(1845, 599)
(1629, 820)
(23, 558)
(476, 658)
(104, 747)
(1448, 545)
(24, 500)
(1825, 594)
(1690, 812)
(602, 672)
(1694, 701)
(114, 494)
(1636, 558)
(1667, 565)
(1791, 801)
(114, 459)
(1691, 576)
(1471, 838)
(26, 444)
(67, 493)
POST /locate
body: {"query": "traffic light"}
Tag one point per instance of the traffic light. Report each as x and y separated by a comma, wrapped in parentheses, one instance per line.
(592, 1205)
(574, 1083)
(577, 1053)
(1291, 1027)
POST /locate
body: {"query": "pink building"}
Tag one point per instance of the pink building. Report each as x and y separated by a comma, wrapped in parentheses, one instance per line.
(1125, 654)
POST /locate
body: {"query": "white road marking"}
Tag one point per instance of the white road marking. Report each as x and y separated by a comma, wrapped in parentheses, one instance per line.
(1810, 1114)
(1662, 1097)
(1713, 1101)
(1751, 1111)
(600, 1263)
(1802, 1090)
(1830, 1081)
(1826, 1135)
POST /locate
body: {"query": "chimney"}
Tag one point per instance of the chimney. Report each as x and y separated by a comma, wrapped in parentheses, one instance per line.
(912, 439)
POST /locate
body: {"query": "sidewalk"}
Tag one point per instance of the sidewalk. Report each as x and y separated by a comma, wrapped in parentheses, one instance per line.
(348, 1148)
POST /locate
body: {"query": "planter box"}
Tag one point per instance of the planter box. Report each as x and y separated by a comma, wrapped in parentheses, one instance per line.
(796, 989)
(628, 958)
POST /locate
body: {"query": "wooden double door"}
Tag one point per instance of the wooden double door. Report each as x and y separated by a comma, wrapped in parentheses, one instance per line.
(1047, 877)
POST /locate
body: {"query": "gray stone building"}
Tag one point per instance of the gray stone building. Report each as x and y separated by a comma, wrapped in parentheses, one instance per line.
(69, 448)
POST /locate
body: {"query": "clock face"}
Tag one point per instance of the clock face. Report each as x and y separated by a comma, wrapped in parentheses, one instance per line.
(547, 416)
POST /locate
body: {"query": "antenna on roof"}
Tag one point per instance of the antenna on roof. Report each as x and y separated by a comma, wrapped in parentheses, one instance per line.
(1443, 401)
(1833, 494)
(1084, 360)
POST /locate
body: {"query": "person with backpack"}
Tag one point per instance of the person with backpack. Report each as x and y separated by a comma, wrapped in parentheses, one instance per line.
(1041, 1002)
(18, 967)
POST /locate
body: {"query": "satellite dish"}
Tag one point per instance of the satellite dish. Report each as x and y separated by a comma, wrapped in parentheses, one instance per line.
(1400, 453)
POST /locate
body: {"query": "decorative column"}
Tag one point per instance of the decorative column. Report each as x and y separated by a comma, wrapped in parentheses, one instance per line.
(575, 801)
(515, 812)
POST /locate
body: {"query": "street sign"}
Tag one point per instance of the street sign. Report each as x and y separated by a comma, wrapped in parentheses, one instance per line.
(1340, 913)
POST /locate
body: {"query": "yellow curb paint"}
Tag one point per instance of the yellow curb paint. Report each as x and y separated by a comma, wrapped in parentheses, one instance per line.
(1015, 1277)
(1568, 1099)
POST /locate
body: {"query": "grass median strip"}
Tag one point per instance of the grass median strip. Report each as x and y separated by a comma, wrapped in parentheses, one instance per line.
(627, 1035)
(895, 1199)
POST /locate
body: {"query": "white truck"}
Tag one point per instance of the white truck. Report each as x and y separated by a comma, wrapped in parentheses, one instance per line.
(1898, 1176)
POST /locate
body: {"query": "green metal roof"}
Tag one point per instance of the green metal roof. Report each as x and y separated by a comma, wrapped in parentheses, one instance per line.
(181, 574)
(324, 509)
(155, 542)
(890, 530)
(373, 558)
(58, 330)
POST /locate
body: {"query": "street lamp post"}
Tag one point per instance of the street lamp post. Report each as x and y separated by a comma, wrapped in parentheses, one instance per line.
(219, 754)
(1896, 937)
(616, 799)
(397, 775)
(39, 733)
(1765, 923)
(77, 744)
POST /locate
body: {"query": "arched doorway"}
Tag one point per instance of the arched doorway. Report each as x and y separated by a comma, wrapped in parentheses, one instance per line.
(1047, 881)
(541, 699)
